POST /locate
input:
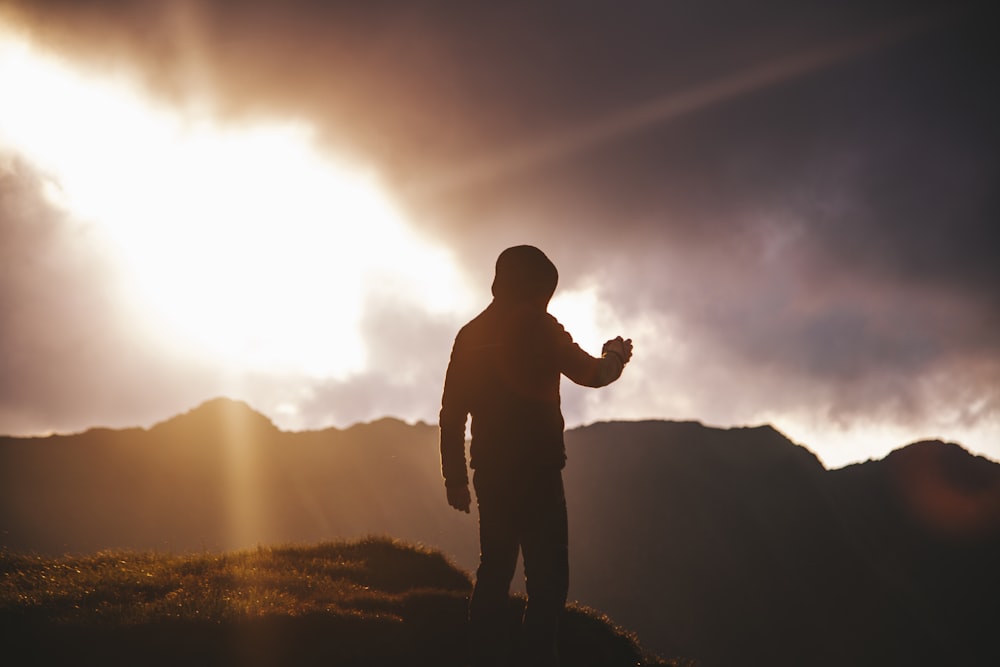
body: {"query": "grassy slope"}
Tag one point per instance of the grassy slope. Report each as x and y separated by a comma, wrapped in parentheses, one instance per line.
(370, 602)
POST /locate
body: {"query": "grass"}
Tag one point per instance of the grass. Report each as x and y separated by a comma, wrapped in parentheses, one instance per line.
(371, 602)
(370, 578)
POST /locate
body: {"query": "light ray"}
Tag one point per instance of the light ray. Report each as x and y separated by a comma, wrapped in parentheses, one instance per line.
(544, 149)
(243, 245)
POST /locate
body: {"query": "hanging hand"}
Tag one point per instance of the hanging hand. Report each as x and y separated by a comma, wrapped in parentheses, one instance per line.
(459, 497)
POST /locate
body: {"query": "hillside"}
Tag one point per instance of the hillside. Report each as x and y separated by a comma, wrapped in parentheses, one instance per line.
(734, 546)
(366, 604)
(744, 535)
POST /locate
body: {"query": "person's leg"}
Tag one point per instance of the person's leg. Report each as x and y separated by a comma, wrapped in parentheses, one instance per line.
(498, 550)
(545, 545)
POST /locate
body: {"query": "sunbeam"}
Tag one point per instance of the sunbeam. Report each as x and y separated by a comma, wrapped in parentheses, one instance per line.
(240, 244)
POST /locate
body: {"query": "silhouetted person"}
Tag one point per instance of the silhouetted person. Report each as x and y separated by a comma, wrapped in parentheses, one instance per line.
(505, 371)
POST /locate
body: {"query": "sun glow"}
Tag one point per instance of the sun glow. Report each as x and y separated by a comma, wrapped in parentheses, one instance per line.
(241, 244)
(578, 312)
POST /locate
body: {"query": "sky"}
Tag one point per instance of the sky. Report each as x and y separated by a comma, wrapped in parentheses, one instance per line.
(790, 207)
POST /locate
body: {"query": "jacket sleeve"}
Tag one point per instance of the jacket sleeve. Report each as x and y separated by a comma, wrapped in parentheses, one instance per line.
(582, 368)
(454, 414)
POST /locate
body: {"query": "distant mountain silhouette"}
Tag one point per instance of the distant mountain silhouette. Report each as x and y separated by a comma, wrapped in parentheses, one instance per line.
(738, 547)
(732, 546)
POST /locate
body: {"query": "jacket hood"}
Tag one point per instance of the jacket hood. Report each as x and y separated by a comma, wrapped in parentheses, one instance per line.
(524, 274)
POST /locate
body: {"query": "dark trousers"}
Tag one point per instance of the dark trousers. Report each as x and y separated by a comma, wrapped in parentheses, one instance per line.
(525, 512)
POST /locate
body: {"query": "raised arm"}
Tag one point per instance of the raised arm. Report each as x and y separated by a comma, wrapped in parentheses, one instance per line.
(589, 371)
(614, 355)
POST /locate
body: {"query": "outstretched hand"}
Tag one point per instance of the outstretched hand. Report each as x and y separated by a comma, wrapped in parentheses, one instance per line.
(459, 497)
(623, 348)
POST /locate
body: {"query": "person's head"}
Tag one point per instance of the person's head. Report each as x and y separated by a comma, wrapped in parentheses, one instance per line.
(525, 275)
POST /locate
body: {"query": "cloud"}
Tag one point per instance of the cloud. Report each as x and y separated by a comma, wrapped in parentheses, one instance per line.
(68, 352)
(822, 248)
(407, 350)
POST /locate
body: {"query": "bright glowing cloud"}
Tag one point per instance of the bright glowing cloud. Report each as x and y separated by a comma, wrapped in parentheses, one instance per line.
(241, 245)
(577, 311)
(817, 254)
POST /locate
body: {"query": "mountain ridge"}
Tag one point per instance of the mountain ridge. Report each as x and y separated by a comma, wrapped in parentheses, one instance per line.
(681, 532)
(217, 407)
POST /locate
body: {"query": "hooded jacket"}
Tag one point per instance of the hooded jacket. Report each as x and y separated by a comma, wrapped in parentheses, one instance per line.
(505, 370)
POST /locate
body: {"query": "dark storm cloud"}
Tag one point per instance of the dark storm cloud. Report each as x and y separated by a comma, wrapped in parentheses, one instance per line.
(829, 239)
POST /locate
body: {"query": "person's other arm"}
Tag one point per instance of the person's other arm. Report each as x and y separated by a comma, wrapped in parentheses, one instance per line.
(454, 414)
